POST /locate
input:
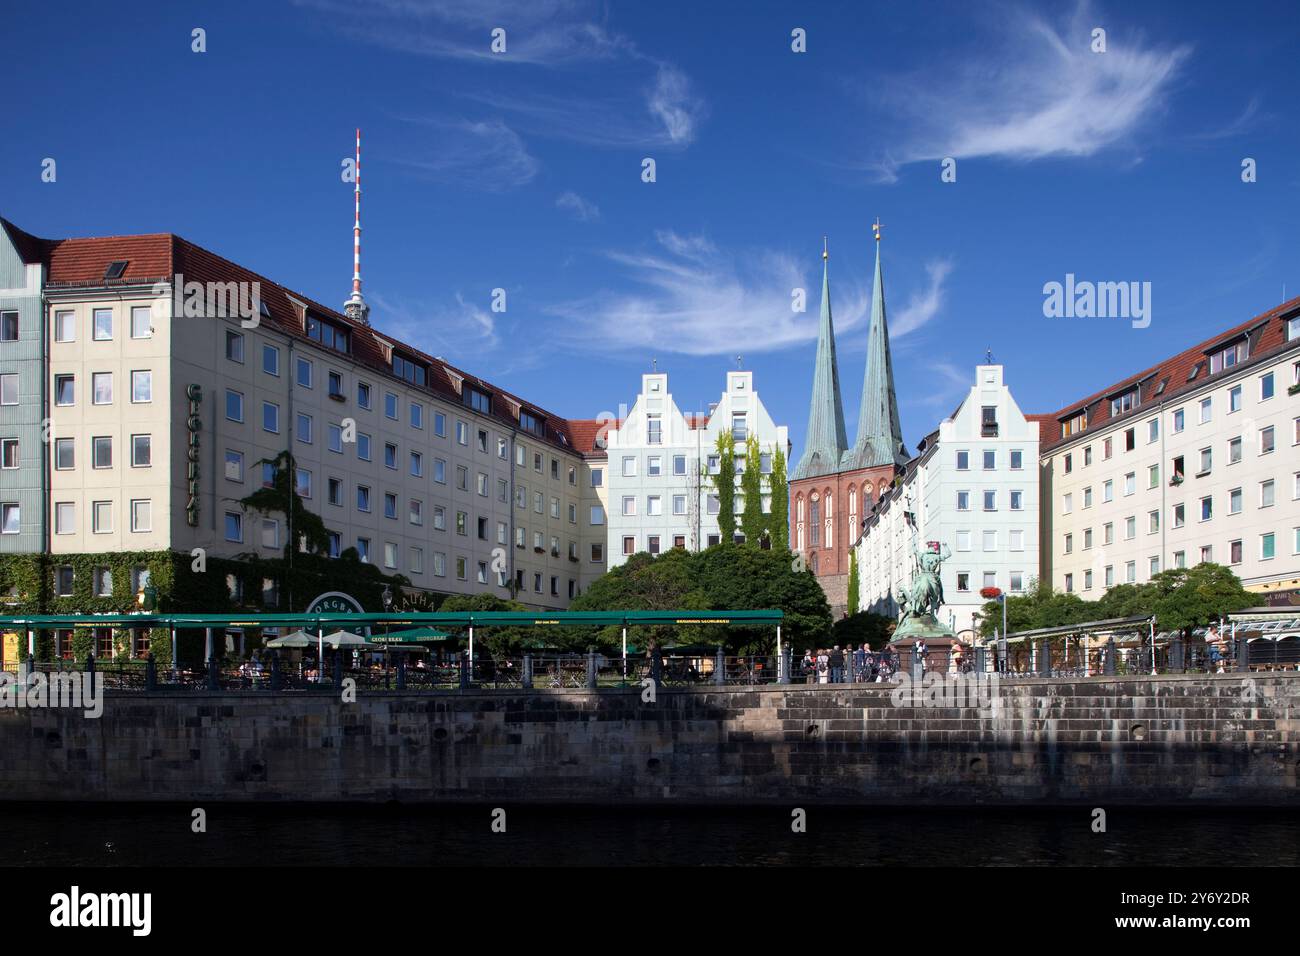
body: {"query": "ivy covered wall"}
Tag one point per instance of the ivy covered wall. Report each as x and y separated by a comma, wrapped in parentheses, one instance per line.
(29, 585)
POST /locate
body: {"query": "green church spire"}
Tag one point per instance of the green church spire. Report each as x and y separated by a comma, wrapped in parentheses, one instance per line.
(825, 441)
(880, 437)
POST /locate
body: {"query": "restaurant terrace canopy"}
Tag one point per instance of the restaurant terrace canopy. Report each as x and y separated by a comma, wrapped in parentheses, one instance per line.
(450, 619)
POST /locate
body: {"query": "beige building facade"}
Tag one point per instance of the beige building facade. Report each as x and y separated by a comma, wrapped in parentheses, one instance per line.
(1194, 460)
(165, 409)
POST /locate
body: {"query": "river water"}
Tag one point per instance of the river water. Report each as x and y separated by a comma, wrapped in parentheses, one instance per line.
(312, 835)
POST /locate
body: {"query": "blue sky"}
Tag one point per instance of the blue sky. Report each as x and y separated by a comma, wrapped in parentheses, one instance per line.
(522, 171)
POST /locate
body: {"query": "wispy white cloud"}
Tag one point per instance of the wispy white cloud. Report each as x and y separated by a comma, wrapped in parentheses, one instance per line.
(690, 247)
(691, 299)
(581, 209)
(673, 103)
(946, 384)
(1043, 93)
(562, 35)
(924, 304)
(454, 330)
(482, 154)
(1245, 121)
(537, 32)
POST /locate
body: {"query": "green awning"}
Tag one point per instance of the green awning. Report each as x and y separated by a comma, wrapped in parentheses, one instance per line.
(414, 635)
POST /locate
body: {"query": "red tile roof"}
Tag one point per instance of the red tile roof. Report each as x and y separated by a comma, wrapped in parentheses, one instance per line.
(585, 433)
(1266, 333)
(74, 263)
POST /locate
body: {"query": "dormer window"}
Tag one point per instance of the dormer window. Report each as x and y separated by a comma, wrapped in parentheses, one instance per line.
(532, 423)
(1226, 358)
(477, 399)
(1124, 403)
(414, 372)
(1074, 424)
(327, 334)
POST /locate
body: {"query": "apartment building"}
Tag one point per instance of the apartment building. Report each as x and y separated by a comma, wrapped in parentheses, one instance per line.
(972, 488)
(176, 376)
(22, 457)
(1195, 459)
(662, 462)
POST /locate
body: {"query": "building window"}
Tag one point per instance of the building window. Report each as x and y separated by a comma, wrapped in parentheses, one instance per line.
(629, 544)
(271, 360)
(234, 465)
(103, 324)
(65, 326)
(9, 518)
(1267, 546)
(271, 417)
(234, 347)
(101, 452)
(234, 406)
(141, 515)
(65, 454)
(65, 517)
(101, 388)
(234, 526)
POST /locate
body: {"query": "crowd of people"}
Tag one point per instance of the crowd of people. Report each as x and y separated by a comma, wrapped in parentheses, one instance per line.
(838, 665)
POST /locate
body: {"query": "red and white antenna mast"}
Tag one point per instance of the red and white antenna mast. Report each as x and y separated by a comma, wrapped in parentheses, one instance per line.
(355, 308)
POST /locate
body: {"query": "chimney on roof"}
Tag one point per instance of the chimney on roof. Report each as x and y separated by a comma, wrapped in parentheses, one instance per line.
(355, 308)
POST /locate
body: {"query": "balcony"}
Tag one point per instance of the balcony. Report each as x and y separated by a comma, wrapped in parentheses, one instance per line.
(989, 430)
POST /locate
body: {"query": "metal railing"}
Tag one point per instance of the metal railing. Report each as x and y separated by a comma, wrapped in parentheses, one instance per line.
(595, 670)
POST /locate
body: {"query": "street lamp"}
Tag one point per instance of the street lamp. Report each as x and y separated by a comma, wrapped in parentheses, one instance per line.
(388, 605)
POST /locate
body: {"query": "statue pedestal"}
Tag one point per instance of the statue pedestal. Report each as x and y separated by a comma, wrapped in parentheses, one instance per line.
(922, 627)
(942, 647)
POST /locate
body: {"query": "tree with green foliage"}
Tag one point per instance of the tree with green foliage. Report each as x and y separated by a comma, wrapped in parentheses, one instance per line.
(724, 483)
(1039, 607)
(724, 577)
(642, 583)
(779, 520)
(1181, 599)
(854, 596)
(732, 577)
(1187, 598)
(282, 497)
(753, 523)
(864, 627)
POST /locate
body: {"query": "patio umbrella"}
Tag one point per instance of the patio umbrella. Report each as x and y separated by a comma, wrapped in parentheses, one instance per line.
(298, 640)
(341, 639)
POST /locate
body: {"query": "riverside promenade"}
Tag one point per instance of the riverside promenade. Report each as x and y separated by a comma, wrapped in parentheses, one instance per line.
(1211, 739)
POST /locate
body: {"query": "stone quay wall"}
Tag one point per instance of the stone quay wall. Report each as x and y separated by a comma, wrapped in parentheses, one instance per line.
(1222, 739)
